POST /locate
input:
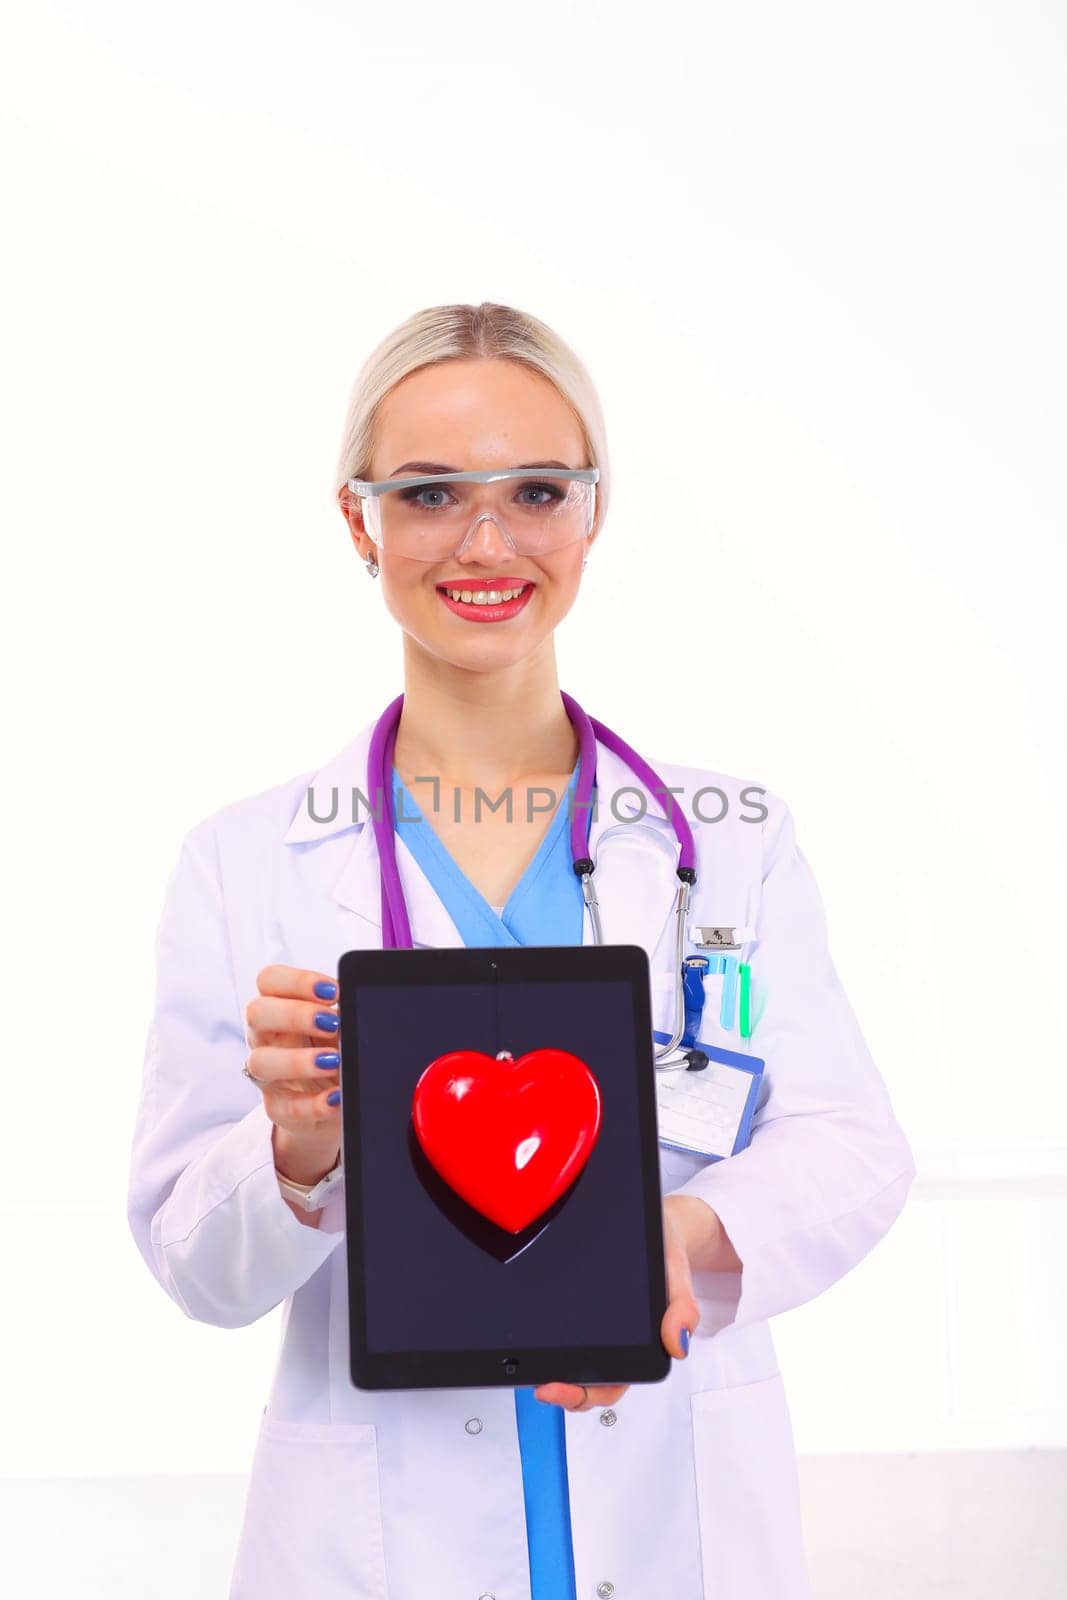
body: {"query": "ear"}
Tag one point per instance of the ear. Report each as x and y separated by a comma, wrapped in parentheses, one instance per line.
(597, 524)
(352, 511)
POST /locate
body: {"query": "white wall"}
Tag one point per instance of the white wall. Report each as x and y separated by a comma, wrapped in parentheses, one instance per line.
(814, 257)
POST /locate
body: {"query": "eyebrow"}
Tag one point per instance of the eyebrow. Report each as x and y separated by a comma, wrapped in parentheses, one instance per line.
(438, 466)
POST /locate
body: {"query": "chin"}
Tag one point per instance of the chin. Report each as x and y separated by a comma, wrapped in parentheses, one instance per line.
(476, 653)
(489, 656)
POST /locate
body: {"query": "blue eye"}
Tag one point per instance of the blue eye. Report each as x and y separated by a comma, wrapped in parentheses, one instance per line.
(552, 490)
(413, 495)
(438, 496)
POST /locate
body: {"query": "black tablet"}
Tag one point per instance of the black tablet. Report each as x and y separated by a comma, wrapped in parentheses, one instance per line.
(503, 1210)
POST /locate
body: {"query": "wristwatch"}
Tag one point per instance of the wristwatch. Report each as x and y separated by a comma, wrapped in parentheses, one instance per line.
(311, 1196)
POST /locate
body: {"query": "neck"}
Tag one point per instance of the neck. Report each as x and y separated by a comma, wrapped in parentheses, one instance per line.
(487, 728)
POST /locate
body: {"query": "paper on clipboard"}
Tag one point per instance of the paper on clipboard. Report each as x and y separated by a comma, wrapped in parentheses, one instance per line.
(709, 1111)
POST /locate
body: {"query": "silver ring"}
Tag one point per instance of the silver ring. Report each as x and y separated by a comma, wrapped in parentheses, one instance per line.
(247, 1074)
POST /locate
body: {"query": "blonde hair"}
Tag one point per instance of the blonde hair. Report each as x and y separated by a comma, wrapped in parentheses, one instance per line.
(455, 333)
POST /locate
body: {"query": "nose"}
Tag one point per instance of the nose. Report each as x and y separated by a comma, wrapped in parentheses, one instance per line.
(487, 542)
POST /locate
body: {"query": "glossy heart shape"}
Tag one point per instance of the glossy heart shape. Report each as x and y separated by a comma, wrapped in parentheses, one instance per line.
(508, 1136)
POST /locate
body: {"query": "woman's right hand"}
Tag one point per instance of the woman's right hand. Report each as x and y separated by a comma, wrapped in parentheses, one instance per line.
(293, 1035)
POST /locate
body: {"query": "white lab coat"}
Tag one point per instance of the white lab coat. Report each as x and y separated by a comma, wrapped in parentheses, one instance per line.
(686, 1488)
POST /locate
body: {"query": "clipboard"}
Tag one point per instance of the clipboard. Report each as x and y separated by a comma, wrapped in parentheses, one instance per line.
(708, 1112)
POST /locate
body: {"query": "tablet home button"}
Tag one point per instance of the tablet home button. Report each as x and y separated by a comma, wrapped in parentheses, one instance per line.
(473, 1424)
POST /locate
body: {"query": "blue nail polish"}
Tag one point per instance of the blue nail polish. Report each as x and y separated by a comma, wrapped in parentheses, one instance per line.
(685, 1341)
(326, 1022)
(328, 1060)
(325, 990)
(334, 1098)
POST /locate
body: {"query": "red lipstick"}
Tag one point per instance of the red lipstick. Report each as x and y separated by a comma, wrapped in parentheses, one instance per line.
(496, 611)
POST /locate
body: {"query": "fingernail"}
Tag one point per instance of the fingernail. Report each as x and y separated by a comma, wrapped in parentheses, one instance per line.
(326, 990)
(685, 1341)
(326, 1022)
(328, 1059)
(334, 1097)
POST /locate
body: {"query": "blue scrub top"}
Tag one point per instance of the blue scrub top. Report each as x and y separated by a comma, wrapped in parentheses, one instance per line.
(545, 907)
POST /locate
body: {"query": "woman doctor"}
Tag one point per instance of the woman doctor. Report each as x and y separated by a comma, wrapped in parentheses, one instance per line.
(685, 1488)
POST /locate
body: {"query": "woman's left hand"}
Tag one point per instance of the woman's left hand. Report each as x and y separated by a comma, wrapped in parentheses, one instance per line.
(681, 1312)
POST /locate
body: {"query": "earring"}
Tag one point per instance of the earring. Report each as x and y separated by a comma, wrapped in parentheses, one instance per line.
(371, 565)
(585, 562)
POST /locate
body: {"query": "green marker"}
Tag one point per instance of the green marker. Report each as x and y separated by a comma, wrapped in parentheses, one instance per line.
(744, 1018)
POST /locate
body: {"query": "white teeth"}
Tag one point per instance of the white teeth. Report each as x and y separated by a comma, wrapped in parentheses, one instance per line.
(485, 597)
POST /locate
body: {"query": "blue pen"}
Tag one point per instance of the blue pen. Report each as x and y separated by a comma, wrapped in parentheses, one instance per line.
(693, 970)
(729, 992)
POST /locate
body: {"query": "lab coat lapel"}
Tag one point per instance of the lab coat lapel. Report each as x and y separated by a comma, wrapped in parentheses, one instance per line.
(634, 876)
(359, 888)
(338, 801)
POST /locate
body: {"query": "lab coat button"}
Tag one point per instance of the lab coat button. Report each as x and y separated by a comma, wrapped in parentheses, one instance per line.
(608, 1418)
(474, 1425)
(605, 1590)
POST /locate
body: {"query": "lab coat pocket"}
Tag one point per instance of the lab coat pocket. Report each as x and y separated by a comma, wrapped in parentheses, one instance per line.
(711, 1029)
(748, 1495)
(313, 1516)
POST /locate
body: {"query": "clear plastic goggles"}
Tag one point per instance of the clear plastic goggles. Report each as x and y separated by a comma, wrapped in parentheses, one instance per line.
(537, 509)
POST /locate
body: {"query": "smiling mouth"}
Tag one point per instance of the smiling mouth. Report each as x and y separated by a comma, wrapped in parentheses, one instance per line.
(494, 600)
(486, 595)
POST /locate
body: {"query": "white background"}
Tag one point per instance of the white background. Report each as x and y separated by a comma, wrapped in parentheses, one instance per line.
(814, 256)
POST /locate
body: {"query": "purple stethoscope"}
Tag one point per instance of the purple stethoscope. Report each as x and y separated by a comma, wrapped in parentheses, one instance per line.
(396, 929)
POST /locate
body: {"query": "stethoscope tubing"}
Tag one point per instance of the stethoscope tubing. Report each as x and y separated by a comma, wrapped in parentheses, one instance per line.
(589, 731)
(396, 926)
(396, 929)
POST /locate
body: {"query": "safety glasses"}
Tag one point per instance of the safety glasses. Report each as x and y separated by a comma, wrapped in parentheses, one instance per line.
(429, 518)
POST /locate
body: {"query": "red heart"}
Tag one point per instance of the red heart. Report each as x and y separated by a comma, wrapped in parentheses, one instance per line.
(508, 1136)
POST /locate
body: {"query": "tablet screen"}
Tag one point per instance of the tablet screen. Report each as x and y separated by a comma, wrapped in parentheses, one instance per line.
(434, 1277)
